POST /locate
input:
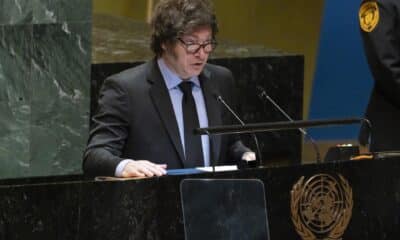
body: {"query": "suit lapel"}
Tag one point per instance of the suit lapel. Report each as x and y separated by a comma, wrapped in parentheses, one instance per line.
(213, 107)
(162, 102)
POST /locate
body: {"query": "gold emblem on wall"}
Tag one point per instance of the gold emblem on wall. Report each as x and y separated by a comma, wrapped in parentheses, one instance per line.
(369, 16)
(321, 207)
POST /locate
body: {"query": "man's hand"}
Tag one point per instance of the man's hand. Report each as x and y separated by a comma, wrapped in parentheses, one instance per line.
(143, 168)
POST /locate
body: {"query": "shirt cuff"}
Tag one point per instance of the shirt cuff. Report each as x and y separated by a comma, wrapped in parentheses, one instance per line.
(121, 166)
(249, 156)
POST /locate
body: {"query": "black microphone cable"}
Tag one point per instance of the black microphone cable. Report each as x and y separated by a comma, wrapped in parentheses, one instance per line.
(221, 100)
(263, 95)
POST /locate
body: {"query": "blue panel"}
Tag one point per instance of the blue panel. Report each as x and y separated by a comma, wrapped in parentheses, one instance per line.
(342, 81)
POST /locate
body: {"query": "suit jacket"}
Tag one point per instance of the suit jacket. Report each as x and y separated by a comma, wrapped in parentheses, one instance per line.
(135, 120)
(382, 48)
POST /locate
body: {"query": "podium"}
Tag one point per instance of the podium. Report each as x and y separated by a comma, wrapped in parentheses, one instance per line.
(74, 207)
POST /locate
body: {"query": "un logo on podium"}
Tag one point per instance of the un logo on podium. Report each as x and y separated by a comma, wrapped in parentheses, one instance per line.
(321, 207)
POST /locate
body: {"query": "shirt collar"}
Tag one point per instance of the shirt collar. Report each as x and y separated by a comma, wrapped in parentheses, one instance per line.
(172, 80)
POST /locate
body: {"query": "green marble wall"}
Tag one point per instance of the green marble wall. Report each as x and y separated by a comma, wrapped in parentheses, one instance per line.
(45, 55)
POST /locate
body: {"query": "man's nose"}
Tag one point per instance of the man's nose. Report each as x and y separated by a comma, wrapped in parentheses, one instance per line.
(201, 53)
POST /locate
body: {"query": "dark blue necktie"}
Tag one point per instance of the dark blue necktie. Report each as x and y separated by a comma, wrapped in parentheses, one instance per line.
(193, 147)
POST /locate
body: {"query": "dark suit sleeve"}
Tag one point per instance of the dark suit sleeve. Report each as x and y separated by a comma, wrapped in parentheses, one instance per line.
(382, 48)
(230, 94)
(108, 131)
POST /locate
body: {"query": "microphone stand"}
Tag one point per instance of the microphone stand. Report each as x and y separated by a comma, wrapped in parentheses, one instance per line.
(275, 126)
(302, 130)
(212, 158)
(221, 100)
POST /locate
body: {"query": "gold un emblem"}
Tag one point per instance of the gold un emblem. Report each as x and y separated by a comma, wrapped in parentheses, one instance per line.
(321, 207)
(369, 16)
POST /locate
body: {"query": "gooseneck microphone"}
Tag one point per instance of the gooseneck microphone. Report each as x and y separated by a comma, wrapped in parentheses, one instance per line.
(221, 100)
(263, 95)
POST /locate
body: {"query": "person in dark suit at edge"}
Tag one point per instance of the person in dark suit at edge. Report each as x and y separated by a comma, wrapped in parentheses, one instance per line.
(380, 31)
(139, 128)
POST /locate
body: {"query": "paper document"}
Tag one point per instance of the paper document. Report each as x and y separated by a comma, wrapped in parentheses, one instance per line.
(219, 168)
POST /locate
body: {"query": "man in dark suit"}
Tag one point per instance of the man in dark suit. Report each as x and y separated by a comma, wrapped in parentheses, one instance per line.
(147, 114)
(380, 30)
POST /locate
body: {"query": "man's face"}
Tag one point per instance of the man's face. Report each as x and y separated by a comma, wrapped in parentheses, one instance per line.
(180, 60)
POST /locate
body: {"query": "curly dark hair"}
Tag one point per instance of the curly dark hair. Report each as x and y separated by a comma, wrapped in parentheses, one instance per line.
(173, 18)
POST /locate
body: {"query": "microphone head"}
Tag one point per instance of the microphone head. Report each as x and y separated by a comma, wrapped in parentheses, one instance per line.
(217, 96)
(261, 91)
(259, 88)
